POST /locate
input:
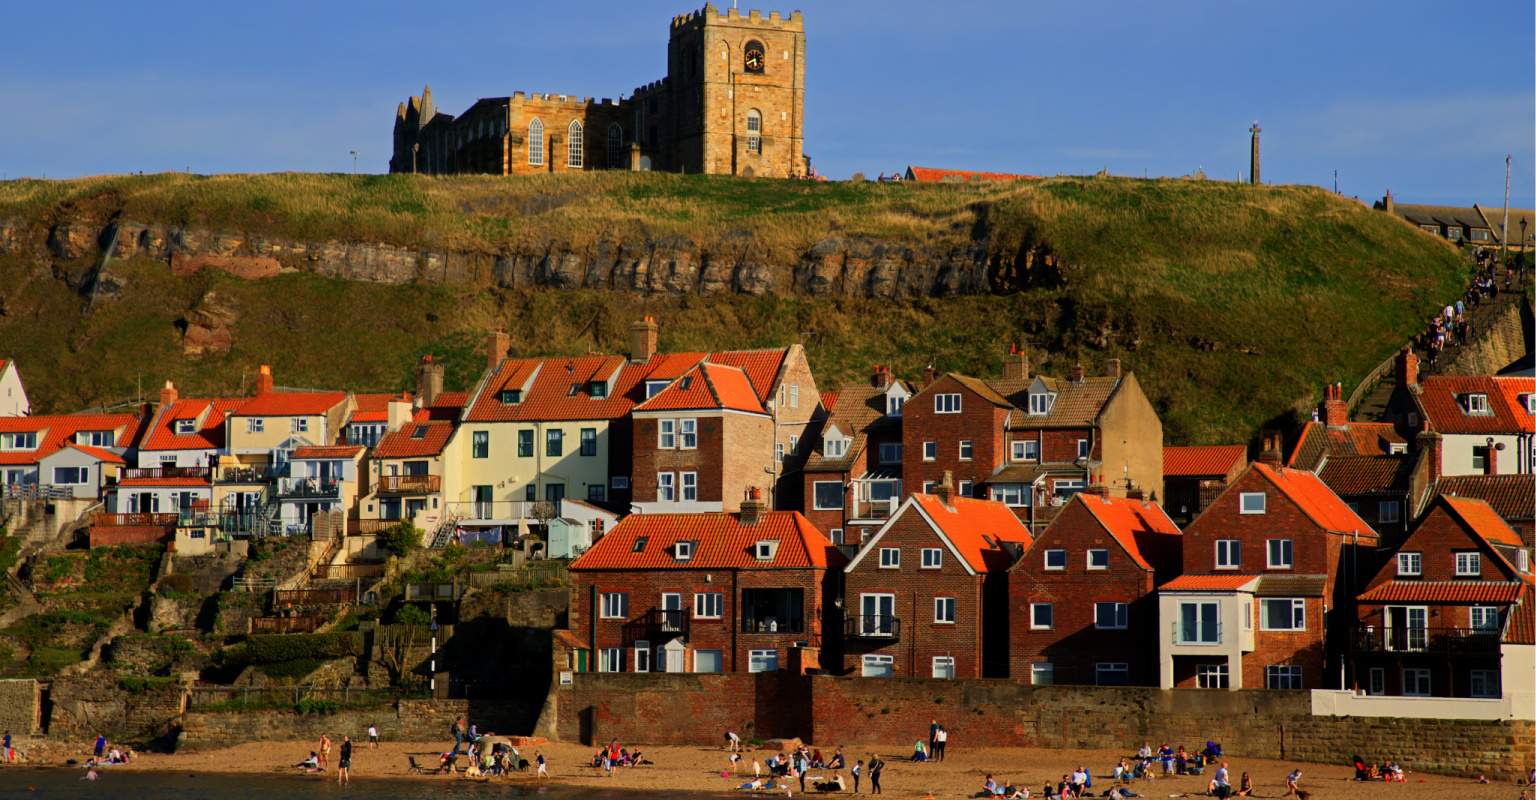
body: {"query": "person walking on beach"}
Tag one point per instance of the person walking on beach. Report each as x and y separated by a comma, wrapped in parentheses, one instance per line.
(101, 745)
(344, 764)
(1290, 783)
(940, 738)
(543, 766)
(373, 734)
(7, 752)
(876, 766)
(858, 770)
(457, 730)
(325, 752)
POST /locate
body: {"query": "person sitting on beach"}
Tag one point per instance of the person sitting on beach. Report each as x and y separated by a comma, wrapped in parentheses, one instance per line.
(919, 752)
(834, 785)
(816, 760)
(445, 762)
(311, 764)
(1180, 761)
(1245, 786)
(988, 789)
(837, 760)
(1145, 751)
(1079, 782)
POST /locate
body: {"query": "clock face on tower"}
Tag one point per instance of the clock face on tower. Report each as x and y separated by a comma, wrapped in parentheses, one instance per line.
(754, 57)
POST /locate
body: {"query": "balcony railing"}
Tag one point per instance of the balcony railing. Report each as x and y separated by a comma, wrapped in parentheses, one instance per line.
(104, 520)
(872, 626)
(409, 484)
(309, 487)
(331, 572)
(286, 624)
(490, 509)
(874, 509)
(773, 625)
(1421, 639)
(314, 596)
(1197, 635)
(250, 474)
(656, 626)
(361, 526)
(178, 473)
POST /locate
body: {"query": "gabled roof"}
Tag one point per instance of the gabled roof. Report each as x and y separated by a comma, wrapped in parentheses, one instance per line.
(720, 542)
(162, 434)
(1141, 528)
(1077, 404)
(1353, 475)
(1193, 462)
(447, 407)
(95, 452)
(1511, 496)
(1350, 439)
(1479, 519)
(406, 443)
(326, 451)
(762, 366)
(1439, 398)
(707, 387)
(860, 412)
(973, 530)
(1450, 592)
(829, 399)
(1211, 583)
(290, 404)
(977, 386)
(1315, 499)
(56, 430)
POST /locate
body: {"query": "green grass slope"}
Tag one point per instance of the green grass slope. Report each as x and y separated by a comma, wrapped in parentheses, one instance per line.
(1232, 303)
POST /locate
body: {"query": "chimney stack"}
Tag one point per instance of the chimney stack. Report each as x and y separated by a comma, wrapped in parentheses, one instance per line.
(1270, 452)
(642, 340)
(1112, 368)
(1096, 488)
(1387, 201)
(945, 490)
(1407, 372)
(1077, 373)
(928, 376)
(168, 395)
(397, 413)
(264, 380)
(1134, 492)
(1491, 462)
(752, 507)
(1016, 364)
(429, 381)
(881, 378)
(1335, 413)
(497, 348)
(1429, 442)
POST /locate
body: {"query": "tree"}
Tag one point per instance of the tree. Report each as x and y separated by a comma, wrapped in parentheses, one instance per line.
(400, 539)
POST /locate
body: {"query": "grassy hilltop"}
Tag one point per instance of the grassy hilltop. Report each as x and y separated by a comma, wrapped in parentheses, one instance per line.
(1232, 303)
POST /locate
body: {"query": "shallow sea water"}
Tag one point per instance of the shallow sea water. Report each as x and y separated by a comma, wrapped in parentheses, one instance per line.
(47, 784)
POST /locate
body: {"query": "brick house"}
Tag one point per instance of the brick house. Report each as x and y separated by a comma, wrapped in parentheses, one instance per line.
(926, 596)
(700, 443)
(853, 472)
(1436, 619)
(1033, 443)
(1082, 602)
(1272, 556)
(1486, 423)
(1510, 496)
(707, 592)
(1194, 476)
(1331, 434)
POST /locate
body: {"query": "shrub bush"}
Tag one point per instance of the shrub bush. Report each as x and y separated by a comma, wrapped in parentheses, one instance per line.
(176, 585)
(400, 539)
(412, 614)
(276, 648)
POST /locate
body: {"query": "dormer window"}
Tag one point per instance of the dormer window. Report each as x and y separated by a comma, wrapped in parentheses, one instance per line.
(836, 448)
(1475, 403)
(893, 405)
(1039, 403)
(186, 426)
(683, 551)
(652, 387)
(25, 440)
(597, 389)
(1529, 401)
(510, 396)
(1396, 448)
(764, 551)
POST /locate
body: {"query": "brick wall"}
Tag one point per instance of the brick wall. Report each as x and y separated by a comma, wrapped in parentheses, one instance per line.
(681, 708)
(402, 721)
(20, 706)
(734, 453)
(107, 537)
(979, 421)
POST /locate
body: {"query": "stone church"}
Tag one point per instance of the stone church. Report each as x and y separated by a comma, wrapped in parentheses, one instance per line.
(732, 104)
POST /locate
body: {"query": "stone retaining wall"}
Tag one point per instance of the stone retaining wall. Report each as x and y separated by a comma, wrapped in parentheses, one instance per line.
(402, 721)
(20, 706)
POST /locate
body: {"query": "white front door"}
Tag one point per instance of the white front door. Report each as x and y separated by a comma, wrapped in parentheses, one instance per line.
(672, 656)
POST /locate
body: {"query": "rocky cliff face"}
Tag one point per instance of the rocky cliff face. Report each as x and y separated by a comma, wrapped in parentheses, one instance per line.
(833, 267)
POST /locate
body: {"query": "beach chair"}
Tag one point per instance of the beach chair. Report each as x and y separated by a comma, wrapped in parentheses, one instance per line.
(416, 768)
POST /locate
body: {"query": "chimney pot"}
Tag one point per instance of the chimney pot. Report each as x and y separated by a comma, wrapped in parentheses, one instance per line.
(1077, 373)
(1016, 364)
(928, 375)
(168, 395)
(642, 339)
(945, 490)
(752, 507)
(1334, 413)
(264, 382)
(1096, 489)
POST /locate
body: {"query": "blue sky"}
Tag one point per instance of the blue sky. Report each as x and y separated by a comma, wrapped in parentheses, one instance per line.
(1407, 96)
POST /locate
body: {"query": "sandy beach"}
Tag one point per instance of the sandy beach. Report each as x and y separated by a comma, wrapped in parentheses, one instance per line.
(698, 769)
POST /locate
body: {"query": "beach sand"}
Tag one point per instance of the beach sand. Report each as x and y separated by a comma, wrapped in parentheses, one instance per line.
(697, 769)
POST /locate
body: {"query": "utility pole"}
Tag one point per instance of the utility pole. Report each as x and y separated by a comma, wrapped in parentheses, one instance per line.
(1504, 227)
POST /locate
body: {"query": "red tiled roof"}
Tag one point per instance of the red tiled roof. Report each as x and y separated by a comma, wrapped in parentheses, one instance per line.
(1368, 474)
(98, 453)
(722, 543)
(1480, 519)
(937, 174)
(326, 451)
(1142, 528)
(707, 386)
(446, 406)
(56, 430)
(1204, 583)
(974, 526)
(1351, 439)
(1189, 462)
(571, 640)
(1452, 592)
(290, 404)
(762, 366)
(379, 402)
(162, 433)
(1315, 499)
(404, 443)
(163, 482)
(1510, 495)
(1440, 397)
(829, 399)
(368, 416)
(1522, 618)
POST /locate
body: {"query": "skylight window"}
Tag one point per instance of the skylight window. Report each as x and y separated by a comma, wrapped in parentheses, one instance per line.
(575, 387)
(640, 544)
(686, 382)
(420, 432)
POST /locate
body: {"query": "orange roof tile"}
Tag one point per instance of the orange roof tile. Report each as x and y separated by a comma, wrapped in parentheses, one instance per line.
(379, 401)
(1368, 474)
(416, 439)
(1510, 495)
(722, 542)
(1142, 529)
(98, 453)
(974, 527)
(326, 451)
(935, 174)
(707, 386)
(1189, 462)
(762, 366)
(368, 416)
(56, 430)
(446, 406)
(829, 399)
(162, 434)
(1208, 583)
(1479, 518)
(1441, 400)
(1316, 500)
(290, 404)
(1522, 618)
(1452, 592)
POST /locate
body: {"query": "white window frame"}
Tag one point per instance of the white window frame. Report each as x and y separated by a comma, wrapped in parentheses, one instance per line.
(1296, 614)
(643, 655)
(185, 427)
(1477, 403)
(1100, 551)
(794, 396)
(1026, 450)
(948, 403)
(794, 444)
(1039, 404)
(890, 558)
(816, 503)
(1484, 683)
(1053, 554)
(1198, 639)
(689, 486)
(1283, 676)
(1285, 558)
(944, 610)
(619, 482)
(1252, 503)
(82, 473)
(1469, 564)
(719, 657)
(610, 659)
(688, 434)
(1387, 512)
(763, 660)
(708, 605)
(1119, 613)
(930, 450)
(836, 448)
(1082, 449)
(778, 452)
(666, 434)
(666, 487)
(1013, 495)
(1034, 616)
(1412, 687)
(944, 667)
(575, 141)
(683, 550)
(613, 605)
(1212, 676)
(933, 558)
(1225, 550)
(967, 449)
(298, 425)
(966, 488)
(255, 425)
(877, 665)
(1410, 565)
(754, 131)
(1483, 619)
(1042, 674)
(1376, 682)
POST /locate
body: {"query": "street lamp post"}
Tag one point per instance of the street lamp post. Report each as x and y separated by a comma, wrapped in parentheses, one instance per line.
(432, 665)
(355, 154)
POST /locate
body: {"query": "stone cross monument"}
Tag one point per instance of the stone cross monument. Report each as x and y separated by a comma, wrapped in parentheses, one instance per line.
(1253, 156)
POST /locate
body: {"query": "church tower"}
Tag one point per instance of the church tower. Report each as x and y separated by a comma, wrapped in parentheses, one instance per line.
(737, 84)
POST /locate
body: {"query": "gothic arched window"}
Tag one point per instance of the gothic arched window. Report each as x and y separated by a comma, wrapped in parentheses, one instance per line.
(536, 142)
(615, 146)
(573, 148)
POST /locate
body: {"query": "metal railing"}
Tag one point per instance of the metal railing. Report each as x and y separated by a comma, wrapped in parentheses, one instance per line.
(309, 487)
(873, 509)
(332, 572)
(408, 484)
(178, 473)
(105, 520)
(656, 625)
(250, 474)
(490, 509)
(314, 596)
(1423, 639)
(360, 526)
(1197, 635)
(32, 491)
(772, 625)
(433, 591)
(872, 626)
(286, 624)
(530, 576)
